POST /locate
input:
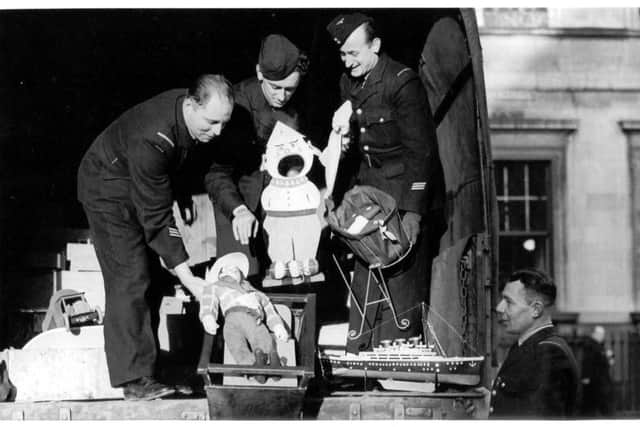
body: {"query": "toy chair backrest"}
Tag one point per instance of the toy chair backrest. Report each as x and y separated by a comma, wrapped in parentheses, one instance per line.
(285, 313)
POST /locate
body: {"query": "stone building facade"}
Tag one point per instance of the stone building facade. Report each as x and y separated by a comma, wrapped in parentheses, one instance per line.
(563, 91)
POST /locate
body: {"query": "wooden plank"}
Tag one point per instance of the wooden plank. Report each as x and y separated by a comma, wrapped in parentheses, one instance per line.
(165, 409)
(388, 406)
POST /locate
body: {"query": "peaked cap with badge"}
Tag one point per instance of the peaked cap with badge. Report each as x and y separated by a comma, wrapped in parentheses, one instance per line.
(394, 140)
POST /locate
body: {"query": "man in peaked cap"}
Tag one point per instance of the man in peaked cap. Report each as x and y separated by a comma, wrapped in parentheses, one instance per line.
(386, 114)
(235, 181)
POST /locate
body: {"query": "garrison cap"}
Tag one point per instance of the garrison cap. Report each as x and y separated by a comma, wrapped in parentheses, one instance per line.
(278, 57)
(343, 25)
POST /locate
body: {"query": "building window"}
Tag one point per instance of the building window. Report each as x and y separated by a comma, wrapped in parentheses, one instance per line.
(523, 190)
(541, 144)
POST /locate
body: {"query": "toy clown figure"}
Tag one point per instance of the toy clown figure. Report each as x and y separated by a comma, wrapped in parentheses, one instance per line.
(249, 314)
(290, 202)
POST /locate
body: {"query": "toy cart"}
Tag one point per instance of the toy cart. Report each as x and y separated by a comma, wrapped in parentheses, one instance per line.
(268, 401)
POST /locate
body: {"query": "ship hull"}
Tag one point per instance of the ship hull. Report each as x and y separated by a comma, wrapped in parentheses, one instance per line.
(462, 372)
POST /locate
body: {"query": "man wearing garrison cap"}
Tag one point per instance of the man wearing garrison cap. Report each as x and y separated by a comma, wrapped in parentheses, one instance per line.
(386, 119)
(235, 183)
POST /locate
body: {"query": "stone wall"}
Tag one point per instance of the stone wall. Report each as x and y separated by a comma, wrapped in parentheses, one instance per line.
(592, 77)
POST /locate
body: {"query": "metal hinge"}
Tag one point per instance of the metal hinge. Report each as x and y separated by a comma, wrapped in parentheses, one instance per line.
(354, 411)
(483, 243)
(398, 411)
(193, 415)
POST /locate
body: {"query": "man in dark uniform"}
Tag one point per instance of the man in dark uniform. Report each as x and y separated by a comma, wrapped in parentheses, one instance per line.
(235, 181)
(386, 112)
(125, 186)
(539, 377)
(597, 396)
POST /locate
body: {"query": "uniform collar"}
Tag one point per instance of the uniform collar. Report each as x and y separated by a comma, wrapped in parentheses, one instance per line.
(524, 337)
(375, 75)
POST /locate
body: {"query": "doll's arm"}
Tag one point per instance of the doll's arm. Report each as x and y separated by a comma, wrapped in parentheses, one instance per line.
(273, 320)
(209, 309)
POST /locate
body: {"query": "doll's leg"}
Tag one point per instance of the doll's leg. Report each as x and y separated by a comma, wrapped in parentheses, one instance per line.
(262, 340)
(235, 337)
(280, 244)
(306, 242)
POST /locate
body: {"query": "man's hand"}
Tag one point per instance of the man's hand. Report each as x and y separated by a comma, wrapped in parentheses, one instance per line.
(244, 224)
(345, 142)
(411, 224)
(341, 118)
(280, 332)
(193, 283)
(188, 214)
(209, 323)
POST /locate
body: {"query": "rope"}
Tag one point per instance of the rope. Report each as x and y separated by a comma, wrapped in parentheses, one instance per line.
(462, 339)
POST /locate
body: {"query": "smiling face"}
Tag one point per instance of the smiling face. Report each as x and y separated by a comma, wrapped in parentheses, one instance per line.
(358, 53)
(231, 271)
(206, 122)
(279, 92)
(516, 311)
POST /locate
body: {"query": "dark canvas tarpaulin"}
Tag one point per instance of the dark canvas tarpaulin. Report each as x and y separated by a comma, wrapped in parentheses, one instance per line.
(463, 272)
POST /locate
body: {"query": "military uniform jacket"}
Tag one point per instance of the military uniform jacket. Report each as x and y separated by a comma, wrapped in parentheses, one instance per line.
(234, 178)
(395, 134)
(131, 163)
(538, 379)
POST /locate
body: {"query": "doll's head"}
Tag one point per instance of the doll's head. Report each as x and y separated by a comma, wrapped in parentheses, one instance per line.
(234, 265)
(232, 272)
(288, 153)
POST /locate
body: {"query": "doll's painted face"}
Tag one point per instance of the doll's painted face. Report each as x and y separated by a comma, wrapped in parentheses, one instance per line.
(288, 154)
(231, 271)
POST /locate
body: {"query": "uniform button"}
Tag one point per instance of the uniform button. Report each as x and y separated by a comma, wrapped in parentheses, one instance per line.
(362, 130)
(491, 409)
(365, 148)
(381, 119)
(493, 393)
(359, 111)
(502, 385)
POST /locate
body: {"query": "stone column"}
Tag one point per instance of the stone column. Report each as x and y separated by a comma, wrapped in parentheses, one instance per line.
(632, 130)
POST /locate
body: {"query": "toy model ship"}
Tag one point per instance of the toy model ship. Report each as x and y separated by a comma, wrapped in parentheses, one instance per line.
(406, 361)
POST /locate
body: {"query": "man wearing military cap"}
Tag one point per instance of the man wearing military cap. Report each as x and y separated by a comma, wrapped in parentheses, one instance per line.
(234, 180)
(386, 114)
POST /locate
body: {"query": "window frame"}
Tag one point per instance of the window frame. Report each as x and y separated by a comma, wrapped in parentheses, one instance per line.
(545, 140)
(547, 234)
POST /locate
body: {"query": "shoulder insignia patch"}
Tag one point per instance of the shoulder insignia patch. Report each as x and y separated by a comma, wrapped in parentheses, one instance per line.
(166, 138)
(404, 70)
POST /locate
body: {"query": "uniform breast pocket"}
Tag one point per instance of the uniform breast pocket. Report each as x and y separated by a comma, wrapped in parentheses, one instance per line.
(382, 123)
